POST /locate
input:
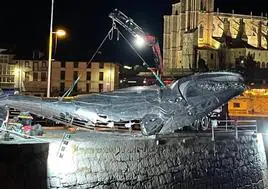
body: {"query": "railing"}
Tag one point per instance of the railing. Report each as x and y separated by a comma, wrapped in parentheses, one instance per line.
(234, 126)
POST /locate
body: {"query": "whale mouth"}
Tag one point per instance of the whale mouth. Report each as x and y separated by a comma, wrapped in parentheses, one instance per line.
(215, 82)
(207, 91)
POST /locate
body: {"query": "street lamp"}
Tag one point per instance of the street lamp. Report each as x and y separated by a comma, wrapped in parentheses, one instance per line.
(58, 33)
(50, 50)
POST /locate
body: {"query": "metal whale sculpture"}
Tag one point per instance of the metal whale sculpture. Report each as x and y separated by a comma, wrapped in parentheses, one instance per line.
(159, 110)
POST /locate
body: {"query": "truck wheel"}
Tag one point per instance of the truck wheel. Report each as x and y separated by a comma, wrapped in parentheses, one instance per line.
(204, 123)
(151, 124)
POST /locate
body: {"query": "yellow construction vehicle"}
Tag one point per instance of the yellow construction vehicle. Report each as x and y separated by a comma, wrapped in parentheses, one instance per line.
(252, 104)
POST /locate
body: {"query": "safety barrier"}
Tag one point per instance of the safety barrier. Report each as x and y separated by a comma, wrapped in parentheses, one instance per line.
(233, 126)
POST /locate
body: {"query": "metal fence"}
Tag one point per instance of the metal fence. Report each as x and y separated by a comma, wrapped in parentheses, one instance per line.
(234, 126)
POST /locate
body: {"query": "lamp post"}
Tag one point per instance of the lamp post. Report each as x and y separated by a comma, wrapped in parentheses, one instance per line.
(58, 33)
(50, 50)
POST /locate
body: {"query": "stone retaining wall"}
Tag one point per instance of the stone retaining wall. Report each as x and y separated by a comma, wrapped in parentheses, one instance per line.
(170, 162)
(23, 166)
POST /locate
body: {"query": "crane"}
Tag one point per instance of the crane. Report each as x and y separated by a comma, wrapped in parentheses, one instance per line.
(137, 32)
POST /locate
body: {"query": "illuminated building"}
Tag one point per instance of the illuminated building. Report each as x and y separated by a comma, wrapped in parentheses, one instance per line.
(94, 78)
(7, 69)
(194, 33)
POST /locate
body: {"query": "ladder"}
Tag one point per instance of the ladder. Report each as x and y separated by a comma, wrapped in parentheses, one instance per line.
(63, 145)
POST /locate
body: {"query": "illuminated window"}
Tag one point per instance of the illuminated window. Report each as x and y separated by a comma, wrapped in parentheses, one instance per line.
(236, 105)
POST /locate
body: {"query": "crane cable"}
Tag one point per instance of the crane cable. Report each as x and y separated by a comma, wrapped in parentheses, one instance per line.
(144, 63)
(110, 37)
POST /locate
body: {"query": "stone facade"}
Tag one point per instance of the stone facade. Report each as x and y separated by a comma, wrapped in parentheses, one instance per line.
(23, 165)
(181, 52)
(114, 161)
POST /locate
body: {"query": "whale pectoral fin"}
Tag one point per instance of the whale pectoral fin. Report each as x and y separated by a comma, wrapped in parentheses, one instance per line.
(151, 124)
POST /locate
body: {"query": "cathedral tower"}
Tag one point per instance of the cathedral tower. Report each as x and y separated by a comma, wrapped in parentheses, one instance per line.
(189, 26)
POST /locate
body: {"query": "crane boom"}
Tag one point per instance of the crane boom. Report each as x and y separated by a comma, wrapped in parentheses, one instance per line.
(136, 31)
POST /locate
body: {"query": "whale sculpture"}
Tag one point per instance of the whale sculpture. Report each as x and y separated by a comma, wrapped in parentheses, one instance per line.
(159, 110)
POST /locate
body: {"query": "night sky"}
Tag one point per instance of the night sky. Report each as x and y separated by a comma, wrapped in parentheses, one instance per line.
(26, 23)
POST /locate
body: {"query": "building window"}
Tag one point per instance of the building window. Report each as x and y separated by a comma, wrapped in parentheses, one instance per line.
(254, 31)
(101, 65)
(62, 75)
(75, 76)
(258, 64)
(101, 76)
(75, 87)
(62, 87)
(236, 105)
(263, 65)
(43, 76)
(35, 76)
(8, 70)
(27, 64)
(100, 88)
(35, 66)
(201, 31)
(63, 64)
(88, 76)
(88, 87)
(44, 64)
(76, 64)
(211, 56)
(203, 5)
(88, 65)
(27, 76)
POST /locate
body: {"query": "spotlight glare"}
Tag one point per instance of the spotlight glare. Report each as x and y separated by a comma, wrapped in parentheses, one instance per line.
(140, 42)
